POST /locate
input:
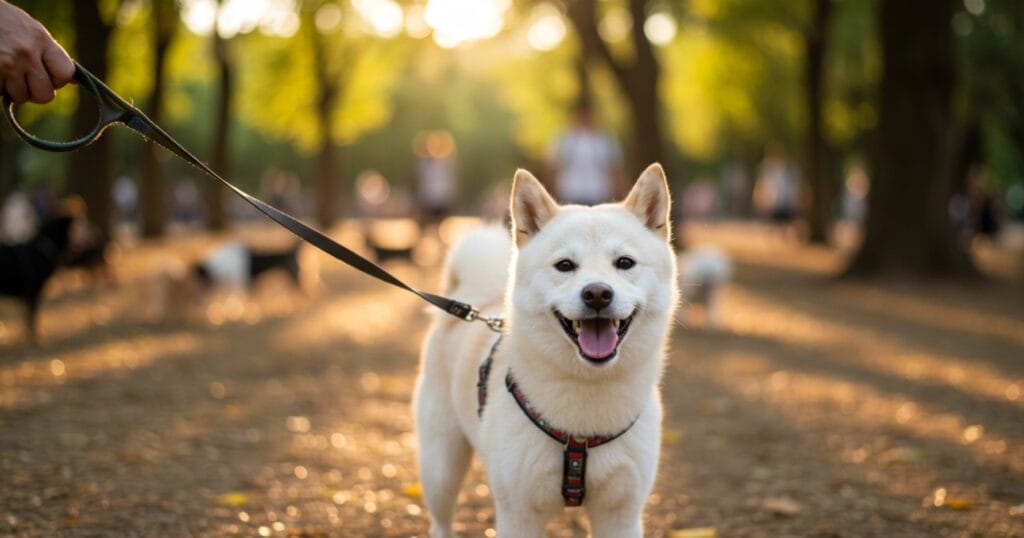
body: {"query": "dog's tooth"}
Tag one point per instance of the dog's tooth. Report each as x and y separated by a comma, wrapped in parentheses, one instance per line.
(577, 325)
(615, 323)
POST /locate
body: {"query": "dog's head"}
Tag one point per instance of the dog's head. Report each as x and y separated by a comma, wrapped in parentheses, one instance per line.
(595, 286)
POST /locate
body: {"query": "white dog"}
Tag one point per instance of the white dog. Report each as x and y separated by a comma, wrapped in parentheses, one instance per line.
(567, 411)
(704, 272)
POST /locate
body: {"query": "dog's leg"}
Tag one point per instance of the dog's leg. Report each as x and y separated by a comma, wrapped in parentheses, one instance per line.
(444, 456)
(514, 521)
(32, 321)
(623, 522)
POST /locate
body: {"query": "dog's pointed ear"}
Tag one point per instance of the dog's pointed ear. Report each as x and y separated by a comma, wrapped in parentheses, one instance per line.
(532, 206)
(650, 201)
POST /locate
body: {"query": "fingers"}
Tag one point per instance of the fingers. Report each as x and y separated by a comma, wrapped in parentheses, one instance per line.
(15, 86)
(59, 65)
(40, 88)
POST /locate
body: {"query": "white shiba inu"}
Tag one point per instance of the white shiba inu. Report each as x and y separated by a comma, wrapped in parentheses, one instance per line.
(567, 411)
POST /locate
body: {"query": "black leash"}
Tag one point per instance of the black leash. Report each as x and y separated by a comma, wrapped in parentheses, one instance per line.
(114, 109)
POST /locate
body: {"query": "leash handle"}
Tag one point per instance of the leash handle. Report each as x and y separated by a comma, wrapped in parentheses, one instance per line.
(109, 113)
(113, 109)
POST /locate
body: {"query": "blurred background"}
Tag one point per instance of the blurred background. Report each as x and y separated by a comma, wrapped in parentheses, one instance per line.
(848, 183)
(824, 104)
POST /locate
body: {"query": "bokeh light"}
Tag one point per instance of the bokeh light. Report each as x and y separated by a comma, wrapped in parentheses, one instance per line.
(462, 21)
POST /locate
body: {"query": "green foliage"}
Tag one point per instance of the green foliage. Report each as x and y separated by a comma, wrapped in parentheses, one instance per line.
(731, 83)
(992, 65)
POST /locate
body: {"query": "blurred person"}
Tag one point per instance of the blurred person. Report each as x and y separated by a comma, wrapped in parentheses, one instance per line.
(281, 189)
(700, 200)
(44, 201)
(737, 189)
(436, 188)
(32, 65)
(777, 189)
(854, 199)
(984, 209)
(126, 198)
(185, 201)
(18, 219)
(586, 164)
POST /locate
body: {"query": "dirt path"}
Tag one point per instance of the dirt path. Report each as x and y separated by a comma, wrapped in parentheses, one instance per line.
(823, 409)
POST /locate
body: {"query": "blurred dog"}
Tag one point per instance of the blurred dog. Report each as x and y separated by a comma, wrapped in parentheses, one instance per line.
(704, 271)
(234, 267)
(93, 257)
(26, 267)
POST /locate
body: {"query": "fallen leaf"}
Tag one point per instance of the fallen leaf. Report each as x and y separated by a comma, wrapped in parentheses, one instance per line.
(959, 503)
(901, 454)
(671, 436)
(781, 506)
(696, 532)
(414, 490)
(232, 498)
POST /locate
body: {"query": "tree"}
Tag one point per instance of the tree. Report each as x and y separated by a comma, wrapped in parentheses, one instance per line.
(637, 78)
(89, 170)
(216, 216)
(818, 182)
(153, 191)
(908, 232)
(329, 77)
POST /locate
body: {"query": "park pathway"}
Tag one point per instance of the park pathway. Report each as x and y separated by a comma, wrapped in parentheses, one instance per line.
(821, 409)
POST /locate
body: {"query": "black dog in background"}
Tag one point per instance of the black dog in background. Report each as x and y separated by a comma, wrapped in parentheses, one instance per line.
(26, 267)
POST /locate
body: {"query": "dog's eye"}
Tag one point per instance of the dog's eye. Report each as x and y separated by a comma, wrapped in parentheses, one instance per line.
(624, 262)
(565, 266)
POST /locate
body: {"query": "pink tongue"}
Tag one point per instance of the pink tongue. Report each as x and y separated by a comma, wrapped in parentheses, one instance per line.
(598, 338)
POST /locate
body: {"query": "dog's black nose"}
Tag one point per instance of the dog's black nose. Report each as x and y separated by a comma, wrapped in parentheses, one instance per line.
(597, 295)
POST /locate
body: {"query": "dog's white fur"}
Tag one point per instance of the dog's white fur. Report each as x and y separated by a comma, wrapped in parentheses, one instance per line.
(524, 466)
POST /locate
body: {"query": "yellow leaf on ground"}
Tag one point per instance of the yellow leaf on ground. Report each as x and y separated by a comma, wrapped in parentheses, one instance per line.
(670, 436)
(232, 498)
(959, 503)
(780, 506)
(414, 490)
(696, 532)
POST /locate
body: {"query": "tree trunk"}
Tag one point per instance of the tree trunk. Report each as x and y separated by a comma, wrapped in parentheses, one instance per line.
(153, 192)
(638, 80)
(818, 181)
(641, 85)
(326, 182)
(89, 169)
(908, 232)
(585, 92)
(216, 215)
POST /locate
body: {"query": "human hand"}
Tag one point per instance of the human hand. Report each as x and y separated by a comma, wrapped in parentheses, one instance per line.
(32, 65)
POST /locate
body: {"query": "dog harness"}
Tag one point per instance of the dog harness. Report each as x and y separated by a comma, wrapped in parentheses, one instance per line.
(574, 459)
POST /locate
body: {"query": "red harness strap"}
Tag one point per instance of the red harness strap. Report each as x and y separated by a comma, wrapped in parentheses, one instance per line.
(574, 459)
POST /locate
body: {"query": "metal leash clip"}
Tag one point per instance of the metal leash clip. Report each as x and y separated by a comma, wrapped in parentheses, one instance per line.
(494, 323)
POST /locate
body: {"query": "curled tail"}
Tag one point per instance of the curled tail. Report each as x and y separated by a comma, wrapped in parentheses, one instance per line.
(476, 270)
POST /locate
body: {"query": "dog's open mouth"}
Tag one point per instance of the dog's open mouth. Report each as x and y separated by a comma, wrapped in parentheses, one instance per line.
(597, 338)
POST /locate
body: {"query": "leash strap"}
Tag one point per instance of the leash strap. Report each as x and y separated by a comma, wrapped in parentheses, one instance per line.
(114, 109)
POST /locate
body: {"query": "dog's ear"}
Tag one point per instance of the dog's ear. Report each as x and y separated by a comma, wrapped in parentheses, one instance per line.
(649, 200)
(532, 206)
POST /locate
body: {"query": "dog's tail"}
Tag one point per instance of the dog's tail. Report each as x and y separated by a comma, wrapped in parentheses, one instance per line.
(476, 270)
